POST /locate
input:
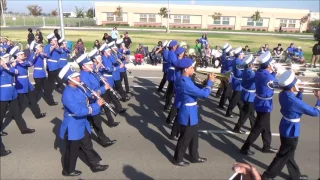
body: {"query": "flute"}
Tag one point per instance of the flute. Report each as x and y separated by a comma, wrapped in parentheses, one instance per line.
(93, 93)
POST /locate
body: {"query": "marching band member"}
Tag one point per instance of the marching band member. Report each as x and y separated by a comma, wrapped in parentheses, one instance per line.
(37, 57)
(165, 65)
(123, 71)
(187, 93)
(226, 61)
(75, 128)
(236, 82)
(93, 82)
(172, 59)
(53, 52)
(99, 67)
(23, 85)
(8, 96)
(292, 108)
(3, 151)
(174, 109)
(265, 76)
(116, 73)
(64, 55)
(247, 95)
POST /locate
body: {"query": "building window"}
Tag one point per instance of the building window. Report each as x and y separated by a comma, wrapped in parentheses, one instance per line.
(250, 22)
(179, 19)
(152, 18)
(222, 21)
(112, 17)
(289, 23)
(143, 18)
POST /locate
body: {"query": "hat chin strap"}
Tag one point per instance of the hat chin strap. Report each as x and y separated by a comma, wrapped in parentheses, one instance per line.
(297, 87)
(88, 67)
(77, 83)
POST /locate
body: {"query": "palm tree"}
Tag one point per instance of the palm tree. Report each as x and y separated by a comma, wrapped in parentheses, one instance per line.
(216, 16)
(118, 13)
(304, 20)
(256, 16)
(164, 14)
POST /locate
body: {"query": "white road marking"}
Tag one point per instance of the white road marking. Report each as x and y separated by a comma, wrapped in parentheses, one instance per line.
(228, 132)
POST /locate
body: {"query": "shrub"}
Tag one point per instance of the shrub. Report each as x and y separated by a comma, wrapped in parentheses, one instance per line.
(224, 28)
(258, 29)
(219, 28)
(263, 29)
(189, 27)
(174, 26)
(195, 27)
(252, 29)
(248, 29)
(229, 28)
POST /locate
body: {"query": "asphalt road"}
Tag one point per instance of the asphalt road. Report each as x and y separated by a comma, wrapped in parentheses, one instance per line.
(143, 150)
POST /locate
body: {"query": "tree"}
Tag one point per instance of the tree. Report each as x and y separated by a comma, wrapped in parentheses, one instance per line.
(163, 12)
(118, 13)
(90, 13)
(314, 23)
(34, 10)
(304, 20)
(216, 16)
(256, 16)
(54, 13)
(79, 12)
(4, 3)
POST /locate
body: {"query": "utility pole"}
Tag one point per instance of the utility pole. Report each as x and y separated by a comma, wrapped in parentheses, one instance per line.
(61, 18)
(3, 18)
(168, 28)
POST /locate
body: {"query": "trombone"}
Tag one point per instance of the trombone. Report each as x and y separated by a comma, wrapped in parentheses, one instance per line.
(201, 77)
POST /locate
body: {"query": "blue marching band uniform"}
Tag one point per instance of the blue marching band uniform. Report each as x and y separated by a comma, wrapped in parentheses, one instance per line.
(165, 65)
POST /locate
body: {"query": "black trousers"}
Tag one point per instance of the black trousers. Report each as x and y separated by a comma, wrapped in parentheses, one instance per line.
(53, 77)
(74, 148)
(106, 97)
(118, 87)
(285, 156)
(109, 97)
(246, 112)
(262, 125)
(33, 104)
(175, 130)
(41, 85)
(163, 81)
(124, 77)
(95, 121)
(16, 113)
(235, 100)
(226, 94)
(169, 94)
(2, 147)
(189, 138)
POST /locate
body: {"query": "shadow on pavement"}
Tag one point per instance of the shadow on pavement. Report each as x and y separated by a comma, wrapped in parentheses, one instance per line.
(132, 173)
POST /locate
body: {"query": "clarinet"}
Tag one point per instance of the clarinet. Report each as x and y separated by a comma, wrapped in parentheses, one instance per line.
(104, 82)
(118, 60)
(93, 93)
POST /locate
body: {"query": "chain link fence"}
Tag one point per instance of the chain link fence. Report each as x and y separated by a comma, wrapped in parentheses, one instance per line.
(48, 21)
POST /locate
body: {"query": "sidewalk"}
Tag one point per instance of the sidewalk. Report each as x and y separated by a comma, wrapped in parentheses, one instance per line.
(181, 31)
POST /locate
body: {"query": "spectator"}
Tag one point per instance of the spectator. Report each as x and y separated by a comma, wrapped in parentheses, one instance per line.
(246, 49)
(40, 37)
(30, 37)
(127, 40)
(315, 54)
(266, 47)
(79, 48)
(56, 34)
(298, 55)
(280, 29)
(278, 51)
(290, 50)
(248, 172)
(207, 51)
(96, 44)
(216, 57)
(197, 48)
(114, 34)
(139, 54)
(261, 50)
(156, 54)
(203, 40)
(106, 38)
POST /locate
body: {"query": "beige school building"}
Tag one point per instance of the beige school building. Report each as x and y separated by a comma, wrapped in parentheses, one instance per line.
(199, 16)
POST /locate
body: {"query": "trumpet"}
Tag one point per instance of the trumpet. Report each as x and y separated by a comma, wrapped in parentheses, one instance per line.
(201, 77)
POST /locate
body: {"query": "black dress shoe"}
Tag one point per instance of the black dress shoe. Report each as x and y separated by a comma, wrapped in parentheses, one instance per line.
(74, 173)
(42, 115)
(247, 152)
(115, 124)
(239, 131)
(128, 92)
(123, 110)
(174, 138)
(182, 164)
(269, 150)
(223, 108)
(199, 160)
(126, 99)
(161, 91)
(230, 116)
(28, 131)
(5, 153)
(99, 168)
(3, 133)
(107, 144)
(54, 104)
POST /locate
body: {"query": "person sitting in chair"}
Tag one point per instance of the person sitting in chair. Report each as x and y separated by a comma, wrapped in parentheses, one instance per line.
(246, 49)
(156, 54)
(139, 54)
(298, 56)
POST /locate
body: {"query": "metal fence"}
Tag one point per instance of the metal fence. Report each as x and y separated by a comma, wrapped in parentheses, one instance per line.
(47, 21)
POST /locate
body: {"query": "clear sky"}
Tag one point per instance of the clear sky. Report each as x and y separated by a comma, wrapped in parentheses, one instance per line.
(68, 5)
